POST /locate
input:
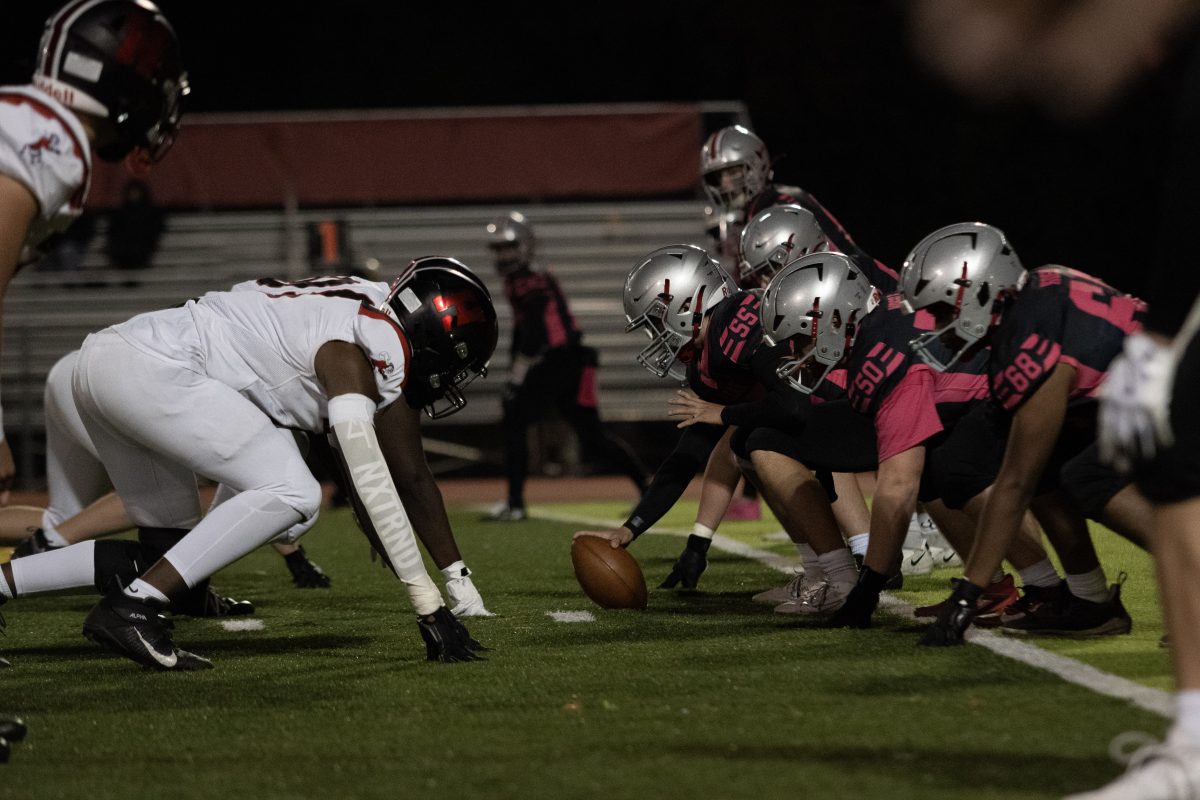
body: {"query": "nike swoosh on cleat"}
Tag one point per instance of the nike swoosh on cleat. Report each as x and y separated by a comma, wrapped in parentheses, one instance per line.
(167, 661)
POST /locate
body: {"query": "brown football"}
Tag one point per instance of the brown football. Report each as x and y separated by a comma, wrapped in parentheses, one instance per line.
(609, 575)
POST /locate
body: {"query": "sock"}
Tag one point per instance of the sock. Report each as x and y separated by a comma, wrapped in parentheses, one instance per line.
(1187, 716)
(810, 562)
(53, 537)
(703, 531)
(140, 590)
(1040, 574)
(998, 576)
(71, 567)
(839, 565)
(1091, 586)
(456, 570)
(858, 543)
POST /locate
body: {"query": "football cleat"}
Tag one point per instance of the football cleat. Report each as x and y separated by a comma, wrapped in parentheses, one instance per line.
(781, 594)
(305, 573)
(447, 639)
(205, 602)
(134, 629)
(916, 557)
(1074, 617)
(1154, 771)
(1032, 598)
(996, 600)
(818, 597)
(36, 543)
(506, 513)
(466, 600)
(12, 728)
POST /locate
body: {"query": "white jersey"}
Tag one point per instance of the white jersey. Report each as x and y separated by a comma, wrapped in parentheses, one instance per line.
(44, 146)
(262, 337)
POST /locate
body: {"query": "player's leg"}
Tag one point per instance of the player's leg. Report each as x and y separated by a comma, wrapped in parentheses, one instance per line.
(721, 475)
(157, 425)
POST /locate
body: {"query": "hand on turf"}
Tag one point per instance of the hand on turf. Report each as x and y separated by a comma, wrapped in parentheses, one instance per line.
(951, 626)
(857, 610)
(447, 639)
(617, 537)
(690, 565)
(1135, 403)
(687, 407)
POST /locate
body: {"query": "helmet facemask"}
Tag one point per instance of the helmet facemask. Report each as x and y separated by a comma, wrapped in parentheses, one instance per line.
(961, 274)
(669, 351)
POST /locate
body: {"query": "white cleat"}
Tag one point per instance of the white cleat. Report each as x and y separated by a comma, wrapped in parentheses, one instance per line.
(1156, 771)
(818, 597)
(781, 594)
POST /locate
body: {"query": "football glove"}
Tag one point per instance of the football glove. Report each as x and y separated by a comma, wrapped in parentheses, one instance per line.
(1135, 403)
(465, 599)
(690, 565)
(951, 626)
(861, 603)
(447, 639)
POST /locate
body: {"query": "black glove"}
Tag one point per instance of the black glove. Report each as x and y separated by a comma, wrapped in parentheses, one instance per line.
(958, 614)
(447, 639)
(861, 602)
(305, 573)
(690, 565)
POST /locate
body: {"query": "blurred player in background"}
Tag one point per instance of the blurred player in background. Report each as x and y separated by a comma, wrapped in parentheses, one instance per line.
(551, 368)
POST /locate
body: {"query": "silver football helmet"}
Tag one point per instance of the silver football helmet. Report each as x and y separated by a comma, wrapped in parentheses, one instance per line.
(957, 273)
(736, 167)
(667, 295)
(510, 238)
(815, 303)
(775, 237)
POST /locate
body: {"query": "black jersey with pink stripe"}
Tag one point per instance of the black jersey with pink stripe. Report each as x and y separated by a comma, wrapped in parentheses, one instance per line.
(1061, 315)
(542, 318)
(722, 372)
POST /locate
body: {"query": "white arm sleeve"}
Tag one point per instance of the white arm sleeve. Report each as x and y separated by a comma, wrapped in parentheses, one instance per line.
(352, 420)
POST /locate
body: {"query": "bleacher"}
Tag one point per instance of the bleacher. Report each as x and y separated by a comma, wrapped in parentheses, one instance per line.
(590, 247)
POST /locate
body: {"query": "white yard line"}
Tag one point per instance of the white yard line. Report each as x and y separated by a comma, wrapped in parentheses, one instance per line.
(243, 624)
(571, 616)
(1069, 669)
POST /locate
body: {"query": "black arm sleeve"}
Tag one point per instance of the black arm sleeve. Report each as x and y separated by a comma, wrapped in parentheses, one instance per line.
(672, 478)
(780, 406)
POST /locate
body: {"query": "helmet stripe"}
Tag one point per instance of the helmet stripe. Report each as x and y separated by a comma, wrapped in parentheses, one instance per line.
(61, 22)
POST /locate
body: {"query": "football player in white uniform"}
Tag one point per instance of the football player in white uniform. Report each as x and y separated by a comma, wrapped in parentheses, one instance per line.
(203, 388)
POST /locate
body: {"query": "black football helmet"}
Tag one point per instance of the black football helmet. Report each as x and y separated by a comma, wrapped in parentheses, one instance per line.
(117, 60)
(448, 316)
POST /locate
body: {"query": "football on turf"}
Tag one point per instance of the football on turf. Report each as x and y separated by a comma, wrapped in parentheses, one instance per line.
(609, 575)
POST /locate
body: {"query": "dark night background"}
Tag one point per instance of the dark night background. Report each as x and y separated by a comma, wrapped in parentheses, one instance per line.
(830, 85)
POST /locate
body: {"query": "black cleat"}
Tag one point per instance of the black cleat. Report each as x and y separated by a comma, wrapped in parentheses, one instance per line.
(207, 603)
(12, 728)
(1074, 617)
(35, 544)
(134, 629)
(447, 639)
(305, 574)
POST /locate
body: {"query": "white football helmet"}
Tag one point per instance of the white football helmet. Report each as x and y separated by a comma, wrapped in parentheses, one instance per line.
(959, 272)
(736, 167)
(816, 303)
(775, 237)
(667, 295)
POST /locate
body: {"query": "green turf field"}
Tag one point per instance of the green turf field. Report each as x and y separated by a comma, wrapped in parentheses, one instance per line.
(703, 695)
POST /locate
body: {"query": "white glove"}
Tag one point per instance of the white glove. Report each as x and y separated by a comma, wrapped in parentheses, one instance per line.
(465, 600)
(1135, 403)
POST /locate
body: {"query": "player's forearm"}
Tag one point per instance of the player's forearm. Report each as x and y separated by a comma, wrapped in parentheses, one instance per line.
(1003, 512)
(427, 510)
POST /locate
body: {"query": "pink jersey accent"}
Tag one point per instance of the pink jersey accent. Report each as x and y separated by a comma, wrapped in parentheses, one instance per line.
(588, 395)
(1087, 379)
(908, 415)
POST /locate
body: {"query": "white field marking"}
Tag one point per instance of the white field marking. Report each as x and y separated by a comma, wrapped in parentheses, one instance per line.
(243, 624)
(571, 616)
(1069, 669)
